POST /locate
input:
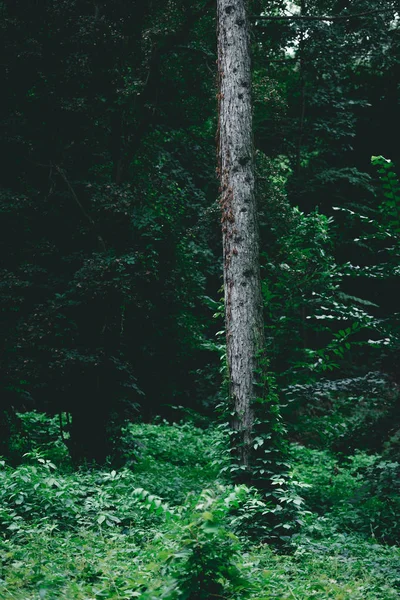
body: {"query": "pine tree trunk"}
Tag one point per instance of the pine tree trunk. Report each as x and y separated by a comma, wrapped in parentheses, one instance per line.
(243, 302)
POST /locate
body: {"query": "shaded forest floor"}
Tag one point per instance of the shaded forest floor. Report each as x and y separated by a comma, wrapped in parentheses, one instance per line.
(168, 525)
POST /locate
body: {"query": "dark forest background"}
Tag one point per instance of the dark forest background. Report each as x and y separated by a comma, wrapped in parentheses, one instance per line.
(116, 476)
(111, 254)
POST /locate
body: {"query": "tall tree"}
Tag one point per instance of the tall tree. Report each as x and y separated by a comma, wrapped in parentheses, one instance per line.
(243, 301)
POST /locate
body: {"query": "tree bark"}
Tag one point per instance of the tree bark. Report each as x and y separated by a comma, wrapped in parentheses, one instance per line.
(243, 301)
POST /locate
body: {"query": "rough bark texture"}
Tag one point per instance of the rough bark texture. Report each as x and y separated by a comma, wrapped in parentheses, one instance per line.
(243, 303)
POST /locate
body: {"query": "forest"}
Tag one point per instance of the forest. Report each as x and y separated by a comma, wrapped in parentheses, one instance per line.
(199, 293)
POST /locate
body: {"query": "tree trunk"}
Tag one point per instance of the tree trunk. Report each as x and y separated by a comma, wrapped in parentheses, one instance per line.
(243, 301)
(299, 143)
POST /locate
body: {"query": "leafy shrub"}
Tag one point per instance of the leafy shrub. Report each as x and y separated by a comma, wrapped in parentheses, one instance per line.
(380, 502)
(172, 460)
(328, 563)
(104, 534)
(178, 444)
(42, 433)
(37, 493)
(344, 414)
(362, 494)
(204, 566)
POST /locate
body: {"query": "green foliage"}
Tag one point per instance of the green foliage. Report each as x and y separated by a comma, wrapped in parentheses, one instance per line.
(172, 460)
(378, 238)
(38, 495)
(344, 414)
(107, 225)
(102, 534)
(302, 287)
(205, 565)
(271, 517)
(38, 433)
(110, 242)
(390, 205)
(361, 494)
(181, 445)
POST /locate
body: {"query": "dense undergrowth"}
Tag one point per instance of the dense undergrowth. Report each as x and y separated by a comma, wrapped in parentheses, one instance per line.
(168, 525)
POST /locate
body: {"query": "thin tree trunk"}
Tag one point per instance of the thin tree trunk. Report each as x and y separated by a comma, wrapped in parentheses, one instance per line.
(302, 92)
(243, 302)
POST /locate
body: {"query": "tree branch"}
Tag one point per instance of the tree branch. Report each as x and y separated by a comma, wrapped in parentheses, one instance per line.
(79, 203)
(322, 18)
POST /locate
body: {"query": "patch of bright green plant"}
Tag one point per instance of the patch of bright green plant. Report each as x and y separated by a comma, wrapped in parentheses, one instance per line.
(99, 534)
(360, 494)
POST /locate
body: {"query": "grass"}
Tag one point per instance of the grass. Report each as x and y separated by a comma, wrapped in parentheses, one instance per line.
(164, 527)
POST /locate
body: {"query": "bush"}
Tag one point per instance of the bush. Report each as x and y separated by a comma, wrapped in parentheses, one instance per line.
(104, 534)
(36, 494)
(33, 431)
(205, 565)
(362, 494)
(344, 414)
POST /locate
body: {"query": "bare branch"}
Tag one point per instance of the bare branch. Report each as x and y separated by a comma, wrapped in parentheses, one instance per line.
(80, 205)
